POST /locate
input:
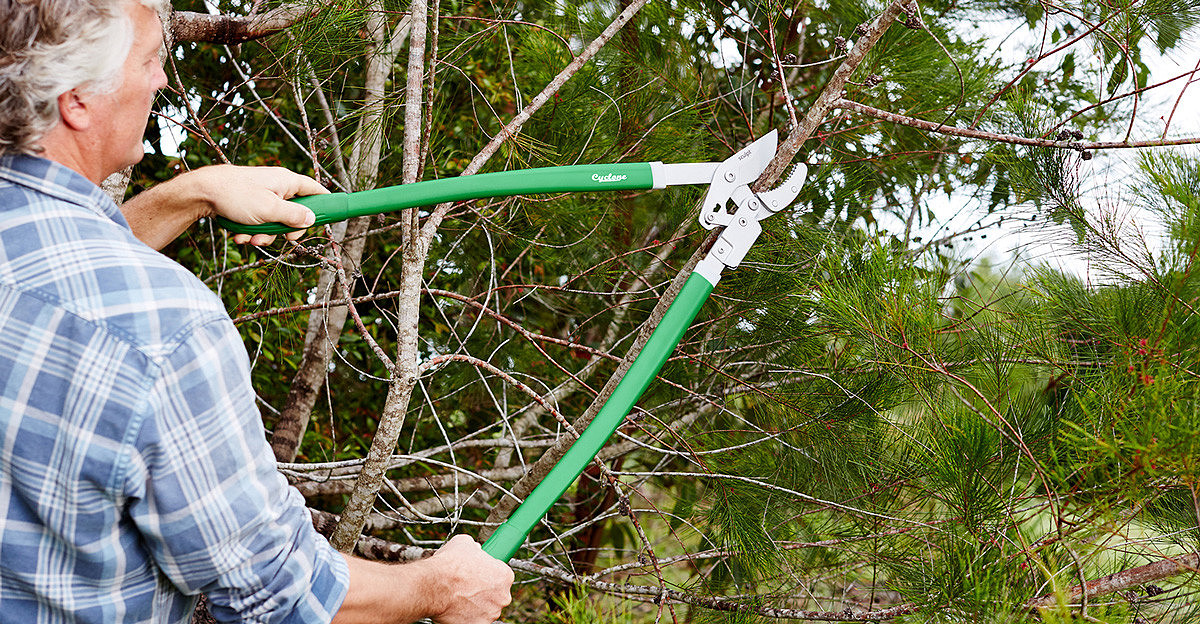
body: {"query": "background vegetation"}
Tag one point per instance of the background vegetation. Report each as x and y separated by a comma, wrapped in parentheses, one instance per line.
(883, 415)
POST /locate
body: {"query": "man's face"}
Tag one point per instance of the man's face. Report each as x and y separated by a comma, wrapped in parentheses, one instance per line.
(122, 114)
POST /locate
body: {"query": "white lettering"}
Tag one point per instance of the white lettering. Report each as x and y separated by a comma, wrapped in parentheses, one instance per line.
(608, 177)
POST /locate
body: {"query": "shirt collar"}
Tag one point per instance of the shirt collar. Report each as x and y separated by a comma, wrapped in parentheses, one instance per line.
(50, 178)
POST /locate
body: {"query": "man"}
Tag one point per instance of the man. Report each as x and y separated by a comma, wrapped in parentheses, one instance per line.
(133, 470)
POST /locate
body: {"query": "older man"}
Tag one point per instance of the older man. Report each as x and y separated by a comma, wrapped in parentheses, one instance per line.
(133, 470)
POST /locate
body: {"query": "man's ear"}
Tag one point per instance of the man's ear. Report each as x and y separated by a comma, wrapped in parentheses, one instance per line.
(74, 111)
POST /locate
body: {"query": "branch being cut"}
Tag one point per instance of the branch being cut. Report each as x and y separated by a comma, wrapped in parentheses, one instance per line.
(235, 29)
(830, 94)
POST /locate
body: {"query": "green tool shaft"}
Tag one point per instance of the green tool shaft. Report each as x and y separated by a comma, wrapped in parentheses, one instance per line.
(575, 178)
(512, 533)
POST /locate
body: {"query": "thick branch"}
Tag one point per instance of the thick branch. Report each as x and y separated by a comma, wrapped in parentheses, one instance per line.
(405, 372)
(234, 29)
(369, 547)
(969, 133)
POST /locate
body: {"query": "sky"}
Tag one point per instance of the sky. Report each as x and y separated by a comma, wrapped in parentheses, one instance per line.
(1106, 176)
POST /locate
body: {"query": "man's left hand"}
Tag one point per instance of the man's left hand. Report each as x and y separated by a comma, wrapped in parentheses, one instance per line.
(256, 195)
(250, 195)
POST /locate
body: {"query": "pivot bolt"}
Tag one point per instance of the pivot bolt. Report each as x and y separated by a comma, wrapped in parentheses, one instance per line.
(729, 176)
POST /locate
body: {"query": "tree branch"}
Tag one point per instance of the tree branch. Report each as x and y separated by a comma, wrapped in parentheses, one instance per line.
(829, 95)
(234, 29)
(1125, 579)
(405, 373)
(413, 484)
(969, 133)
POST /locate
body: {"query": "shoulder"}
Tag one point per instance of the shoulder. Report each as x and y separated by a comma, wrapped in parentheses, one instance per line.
(75, 258)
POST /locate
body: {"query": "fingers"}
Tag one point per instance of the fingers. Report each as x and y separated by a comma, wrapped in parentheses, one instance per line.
(259, 240)
(480, 585)
(289, 213)
(304, 185)
(272, 186)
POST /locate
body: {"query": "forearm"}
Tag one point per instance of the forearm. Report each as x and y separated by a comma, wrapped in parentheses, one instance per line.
(158, 215)
(392, 594)
(459, 584)
(250, 195)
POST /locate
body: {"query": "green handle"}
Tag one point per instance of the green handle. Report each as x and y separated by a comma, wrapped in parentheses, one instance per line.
(341, 206)
(511, 534)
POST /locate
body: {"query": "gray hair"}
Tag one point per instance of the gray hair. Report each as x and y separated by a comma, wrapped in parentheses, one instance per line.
(47, 48)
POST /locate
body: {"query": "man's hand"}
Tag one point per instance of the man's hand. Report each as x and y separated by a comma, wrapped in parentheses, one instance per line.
(475, 585)
(257, 195)
(459, 584)
(250, 195)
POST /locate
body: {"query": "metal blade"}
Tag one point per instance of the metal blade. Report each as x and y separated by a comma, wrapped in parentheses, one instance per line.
(741, 169)
(783, 195)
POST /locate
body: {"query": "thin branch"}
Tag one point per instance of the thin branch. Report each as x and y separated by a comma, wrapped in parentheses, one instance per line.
(655, 595)
(513, 127)
(1179, 98)
(968, 133)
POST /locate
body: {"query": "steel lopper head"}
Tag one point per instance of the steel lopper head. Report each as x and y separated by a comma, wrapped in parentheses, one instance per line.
(783, 195)
(742, 228)
(739, 170)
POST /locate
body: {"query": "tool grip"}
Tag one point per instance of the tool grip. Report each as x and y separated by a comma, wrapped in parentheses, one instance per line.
(574, 178)
(512, 533)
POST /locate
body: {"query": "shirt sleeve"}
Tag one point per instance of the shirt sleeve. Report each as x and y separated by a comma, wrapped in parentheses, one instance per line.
(215, 514)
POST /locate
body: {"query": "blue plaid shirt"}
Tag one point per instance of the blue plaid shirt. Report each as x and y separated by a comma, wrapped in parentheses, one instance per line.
(134, 473)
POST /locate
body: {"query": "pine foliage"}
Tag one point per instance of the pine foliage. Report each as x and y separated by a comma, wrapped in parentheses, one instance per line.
(865, 416)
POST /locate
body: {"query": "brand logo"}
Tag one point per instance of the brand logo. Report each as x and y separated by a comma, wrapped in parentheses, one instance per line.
(608, 177)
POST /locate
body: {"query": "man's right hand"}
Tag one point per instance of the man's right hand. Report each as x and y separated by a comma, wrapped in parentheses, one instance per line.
(459, 584)
(475, 585)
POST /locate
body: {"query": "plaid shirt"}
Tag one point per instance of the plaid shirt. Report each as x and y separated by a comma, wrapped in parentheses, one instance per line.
(134, 473)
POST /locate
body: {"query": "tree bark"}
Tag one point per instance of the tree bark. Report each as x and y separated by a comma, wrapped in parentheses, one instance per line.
(404, 375)
(235, 29)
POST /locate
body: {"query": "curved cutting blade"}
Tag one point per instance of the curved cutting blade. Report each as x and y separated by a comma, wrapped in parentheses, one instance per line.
(783, 195)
